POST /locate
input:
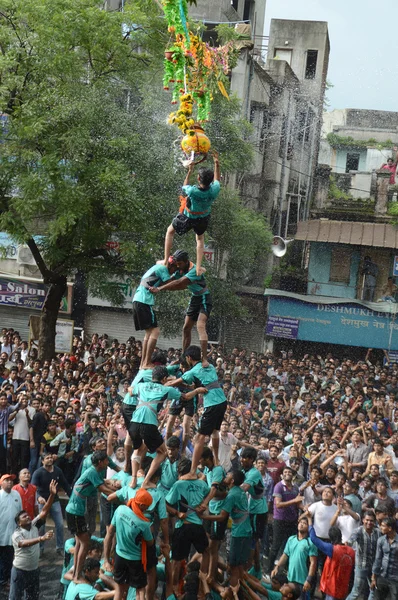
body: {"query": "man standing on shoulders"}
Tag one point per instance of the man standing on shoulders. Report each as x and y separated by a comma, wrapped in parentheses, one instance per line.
(10, 505)
(25, 579)
(215, 404)
(385, 569)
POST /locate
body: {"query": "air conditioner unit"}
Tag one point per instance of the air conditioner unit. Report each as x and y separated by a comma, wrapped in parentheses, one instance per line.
(24, 256)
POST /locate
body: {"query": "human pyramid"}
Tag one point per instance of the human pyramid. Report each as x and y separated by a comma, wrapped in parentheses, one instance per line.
(161, 496)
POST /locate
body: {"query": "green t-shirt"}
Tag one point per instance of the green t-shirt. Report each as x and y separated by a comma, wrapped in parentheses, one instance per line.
(198, 285)
(272, 594)
(237, 506)
(143, 376)
(188, 494)
(152, 278)
(68, 560)
(85, 487)
(258, 503)
(215, 475)
(199, 200)
(87, 463)
(150, 396)
(84, 591)
(298, 552)
(201, 376)
(130, 530)
(158, 505)
(169, 475)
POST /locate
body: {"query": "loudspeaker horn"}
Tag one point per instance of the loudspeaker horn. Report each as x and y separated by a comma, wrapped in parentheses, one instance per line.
(279, 246)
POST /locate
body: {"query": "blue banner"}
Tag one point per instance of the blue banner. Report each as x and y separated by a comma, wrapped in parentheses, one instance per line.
(350, 324)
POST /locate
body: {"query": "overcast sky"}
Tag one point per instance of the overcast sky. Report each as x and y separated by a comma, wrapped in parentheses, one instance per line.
(363, 39)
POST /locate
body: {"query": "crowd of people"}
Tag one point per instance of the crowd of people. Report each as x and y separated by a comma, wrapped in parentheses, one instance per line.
(234, 475)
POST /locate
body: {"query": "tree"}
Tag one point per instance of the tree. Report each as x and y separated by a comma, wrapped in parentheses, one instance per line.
(86, 152)
(71, 145)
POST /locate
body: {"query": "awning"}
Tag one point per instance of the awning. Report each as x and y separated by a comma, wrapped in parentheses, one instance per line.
(379, 235)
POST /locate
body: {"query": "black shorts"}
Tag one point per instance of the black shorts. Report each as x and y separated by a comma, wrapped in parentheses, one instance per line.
(212, 418)
(149, 434)
(258, 523)
(76, 524)
(216, 529)
(199, 304)
(184, 537)
(127, 413)
(177, 405)
(151, 557)
(129, 572)
(182, 224)
(144, 316)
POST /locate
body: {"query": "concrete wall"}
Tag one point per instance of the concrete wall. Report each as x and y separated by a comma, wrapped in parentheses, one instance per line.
(341, 159)
(361, 184)
(319, 272)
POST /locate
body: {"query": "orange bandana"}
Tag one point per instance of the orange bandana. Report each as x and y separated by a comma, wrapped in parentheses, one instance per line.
(145, 498)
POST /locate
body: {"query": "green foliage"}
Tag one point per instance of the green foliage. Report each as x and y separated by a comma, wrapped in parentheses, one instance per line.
(335, 193)
(393, 208)
(87, 156)
(338, 141)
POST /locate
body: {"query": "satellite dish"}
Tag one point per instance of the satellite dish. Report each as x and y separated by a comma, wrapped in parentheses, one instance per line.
(279, 246)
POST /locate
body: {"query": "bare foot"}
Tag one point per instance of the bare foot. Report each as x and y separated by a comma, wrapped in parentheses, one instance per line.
(145, 485)
(161, 262)
(133, 482)
(200, 271)
(189, 476)
(205, 364)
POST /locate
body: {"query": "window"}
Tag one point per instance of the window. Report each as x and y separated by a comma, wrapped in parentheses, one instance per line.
(260, 117)
(247, 10)
(310, 67)
(352, 162)
(301, 125)
(234, 4)
(283, 54)
(340, 265)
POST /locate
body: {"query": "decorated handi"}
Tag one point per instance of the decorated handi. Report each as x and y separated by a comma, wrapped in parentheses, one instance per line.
(194, 72)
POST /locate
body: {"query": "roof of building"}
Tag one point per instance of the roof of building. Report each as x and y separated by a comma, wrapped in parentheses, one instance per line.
(379, 235)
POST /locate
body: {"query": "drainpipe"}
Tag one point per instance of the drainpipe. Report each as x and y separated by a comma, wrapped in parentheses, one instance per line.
(283, 169)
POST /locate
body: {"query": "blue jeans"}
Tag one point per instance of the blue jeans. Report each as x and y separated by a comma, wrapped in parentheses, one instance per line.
(34, 459)
(361, 586)
(24, 585)
(56, 515)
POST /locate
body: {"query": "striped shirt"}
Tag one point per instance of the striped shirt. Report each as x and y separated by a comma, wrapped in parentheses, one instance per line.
(364, 546)
(4, 414)
(386, 561)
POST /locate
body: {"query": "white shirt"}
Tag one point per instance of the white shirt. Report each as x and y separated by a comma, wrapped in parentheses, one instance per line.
(347, 525)
(225, 450)
(322, 516)
(21, 425)
(10, 505)
(26, 558)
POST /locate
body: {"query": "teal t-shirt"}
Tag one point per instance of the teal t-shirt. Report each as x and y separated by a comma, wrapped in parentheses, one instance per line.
(237, 506)
(169, 475)
(207, 376)
(150, 395)
(143, 376)
(87, 463)
(152, 278)
(188, 494)
(298, 552)
(68, 560)
(215, 475)
(158, 505)
(200, 201)
(198, 285)
(128, 527)
(272, 594)
(82, 591)
(258, 503)
(85, 487)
